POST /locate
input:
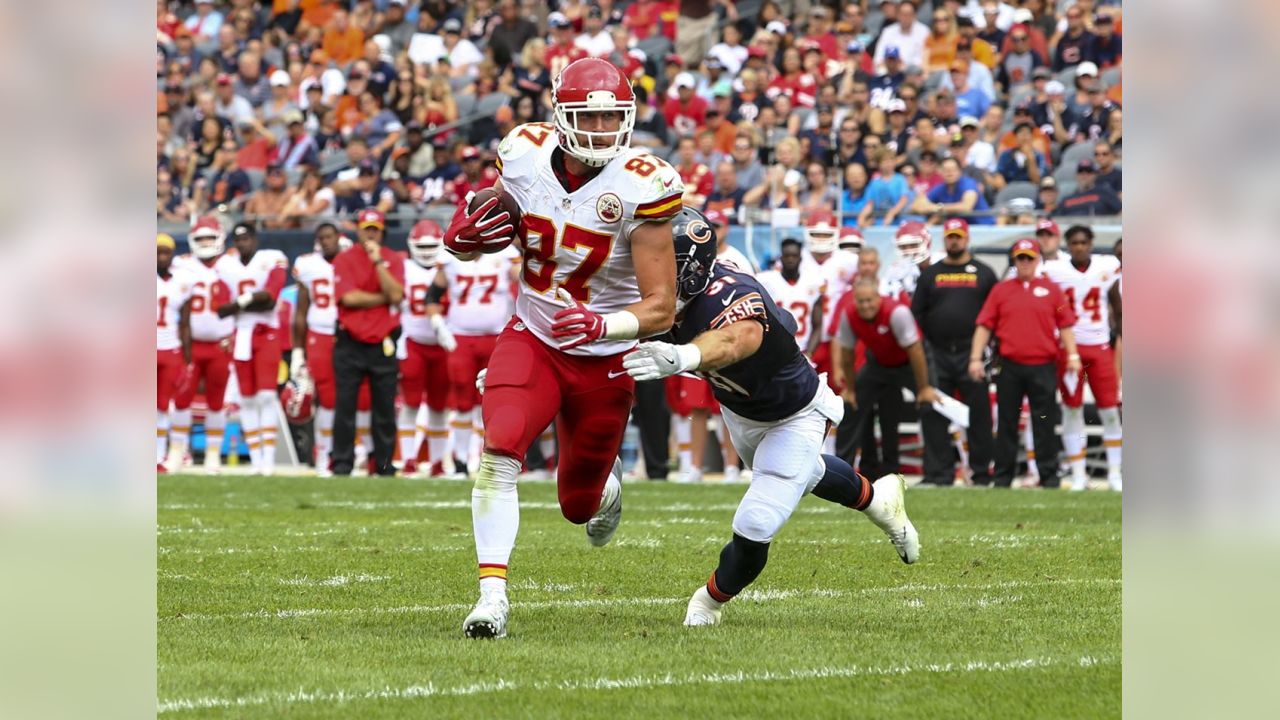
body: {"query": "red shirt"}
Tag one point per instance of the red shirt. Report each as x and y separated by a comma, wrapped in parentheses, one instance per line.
(685, 119)
(456, 189)
(559, 56)
(352, 270)
(1025, 318)
(697, 178)
(878, 335)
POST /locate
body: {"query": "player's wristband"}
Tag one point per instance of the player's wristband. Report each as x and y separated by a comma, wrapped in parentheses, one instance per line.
(689, 357)
(244, 300)
(621, 325)
(1073, 356)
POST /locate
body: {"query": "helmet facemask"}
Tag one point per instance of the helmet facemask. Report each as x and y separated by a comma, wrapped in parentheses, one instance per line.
(614, 142)
(424, 250)
(913, 248)
(207, 244)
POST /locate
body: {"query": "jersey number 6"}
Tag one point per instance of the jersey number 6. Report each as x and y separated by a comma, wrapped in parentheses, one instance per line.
(540, 246)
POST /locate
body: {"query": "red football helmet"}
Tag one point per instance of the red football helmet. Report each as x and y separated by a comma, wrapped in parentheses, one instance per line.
(820, 232)
(587, 86)
(912, 241)
(425, 241)
(298, 399)
(850, 238)
(206, 238)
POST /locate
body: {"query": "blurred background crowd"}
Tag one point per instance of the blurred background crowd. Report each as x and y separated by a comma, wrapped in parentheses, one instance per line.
(296, 112)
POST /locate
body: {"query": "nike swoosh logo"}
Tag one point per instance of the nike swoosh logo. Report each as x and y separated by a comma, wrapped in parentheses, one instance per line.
(729, 299)
(613, 374)
(668, 182)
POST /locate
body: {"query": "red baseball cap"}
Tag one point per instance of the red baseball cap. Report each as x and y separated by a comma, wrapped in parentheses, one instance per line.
(371, 217)
(957, 226)
(755, 51)
(1047, 224)
(716, 217)
(1028, 247)
(470, 153)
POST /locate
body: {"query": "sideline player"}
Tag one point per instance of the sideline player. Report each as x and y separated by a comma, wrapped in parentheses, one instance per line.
(255, 277)
(314, 323)
(777, 408)
(427, 342)
(479, 294)
(173, 337)
(210, 344)
(1087, 280)
(598, 272)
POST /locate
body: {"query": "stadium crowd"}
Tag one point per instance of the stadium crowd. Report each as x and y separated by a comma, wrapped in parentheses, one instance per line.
(304, 114)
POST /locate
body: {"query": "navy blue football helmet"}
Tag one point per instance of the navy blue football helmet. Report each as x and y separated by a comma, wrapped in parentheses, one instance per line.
(695, 242)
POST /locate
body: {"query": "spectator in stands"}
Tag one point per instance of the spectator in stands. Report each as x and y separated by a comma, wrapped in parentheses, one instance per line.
(969, 100)
(230, 106)
(1109, 174)
(994, 23)
(727, 195)
(205, 23)
(367, 190)
(420, 156)
(1106, 42)
(228, 183)
(977, 153)
(707, 152)
(595, 38)
(888, 193)
(1085, 81)
(855, 192)
(978, 49)
(898, 136)
(746, 161)
(819, 192)
(1052, 113)
(956, 196)
(343, 41)
(1076, 44)
(380, 127)
(266, 204)
(905, 34)
(280, 102)
(848, 145)
(396, 27)
(1020, 60)
(298, 148)
(250, 82)
(697, 178)
(171, 205)
(686, 112)
(447, 168)
(257, 147)
(509, 36)
(1047, 195)
(1022, 162)
(886, 83)
(1095, 119)
(1090, 197)
(940, 45)
(979, 74)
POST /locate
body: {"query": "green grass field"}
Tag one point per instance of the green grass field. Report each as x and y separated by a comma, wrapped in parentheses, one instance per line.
(309, 598)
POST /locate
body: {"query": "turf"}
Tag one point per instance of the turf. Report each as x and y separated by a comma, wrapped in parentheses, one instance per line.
(309, 598)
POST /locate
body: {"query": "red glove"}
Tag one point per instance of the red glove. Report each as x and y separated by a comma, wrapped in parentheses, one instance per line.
(469, 232)
(577, 323)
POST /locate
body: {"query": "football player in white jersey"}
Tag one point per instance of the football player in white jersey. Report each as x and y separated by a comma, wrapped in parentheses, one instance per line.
(798, 293)
(427, 342)
(255, 278)
(210, 346)
(173, 337)
(598, 273)
(314, 321)
(915, 251)
(480, 305)
(837, 268)
(1086, 280)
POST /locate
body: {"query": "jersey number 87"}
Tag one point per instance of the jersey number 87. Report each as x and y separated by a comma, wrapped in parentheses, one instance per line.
(598, 245)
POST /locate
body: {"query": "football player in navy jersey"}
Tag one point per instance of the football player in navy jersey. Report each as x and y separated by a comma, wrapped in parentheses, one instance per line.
(776, 407)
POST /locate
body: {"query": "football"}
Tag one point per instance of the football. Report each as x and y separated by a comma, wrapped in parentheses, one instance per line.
(505, 202)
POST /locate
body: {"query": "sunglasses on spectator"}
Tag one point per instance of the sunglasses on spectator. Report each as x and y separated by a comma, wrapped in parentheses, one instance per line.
(942, 19)
(1101, 153)
(1019, 38)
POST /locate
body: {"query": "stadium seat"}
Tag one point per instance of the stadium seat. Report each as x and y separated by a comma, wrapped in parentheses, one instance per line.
(1024, 92)
(489, 104)
(1016, 190)
(1070, 158)
(466, 105)
(1067, 78)
(1066, 187)
(334, 162)
(1110, 77)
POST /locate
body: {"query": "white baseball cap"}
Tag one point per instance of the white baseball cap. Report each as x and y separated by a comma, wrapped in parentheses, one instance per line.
(1086, 69)
(684, 79)
(280, 78)
(1053, 87)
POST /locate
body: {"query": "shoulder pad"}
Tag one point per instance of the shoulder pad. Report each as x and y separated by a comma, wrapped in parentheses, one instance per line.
(522, 140)
(650, 185)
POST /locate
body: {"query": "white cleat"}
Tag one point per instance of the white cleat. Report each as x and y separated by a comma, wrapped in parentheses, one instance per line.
(1115, 482)
(733, 474)
(489, 618)
(703, 609)
(690, 476)
(177, 458)
(602, 526)
(1080, 483)
(212, 463)
(888, 510)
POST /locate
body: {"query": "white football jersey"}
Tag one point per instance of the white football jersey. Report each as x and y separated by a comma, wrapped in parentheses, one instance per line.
(413, 309)
(733, 256)
(208, 293)
(252, 277)
(170, 295)
(581, 240)
(838, 271)
(315, 273)
(902, 276)
(1087, 293)
(797, 298)
(480, 299)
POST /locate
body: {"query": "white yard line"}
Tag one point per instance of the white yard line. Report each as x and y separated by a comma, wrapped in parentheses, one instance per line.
(761, 595)
(430, 689)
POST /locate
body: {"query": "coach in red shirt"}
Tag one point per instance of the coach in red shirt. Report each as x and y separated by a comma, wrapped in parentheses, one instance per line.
(895, 360)
(369, 285)
(1027, 314)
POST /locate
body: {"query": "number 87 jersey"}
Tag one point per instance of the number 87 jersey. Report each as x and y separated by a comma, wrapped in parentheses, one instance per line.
(580, 240)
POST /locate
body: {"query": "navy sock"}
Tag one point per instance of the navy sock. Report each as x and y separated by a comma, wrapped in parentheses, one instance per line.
(740, 564)
(843, 486)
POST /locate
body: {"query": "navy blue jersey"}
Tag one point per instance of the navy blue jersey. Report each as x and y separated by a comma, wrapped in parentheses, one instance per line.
(774, 383)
